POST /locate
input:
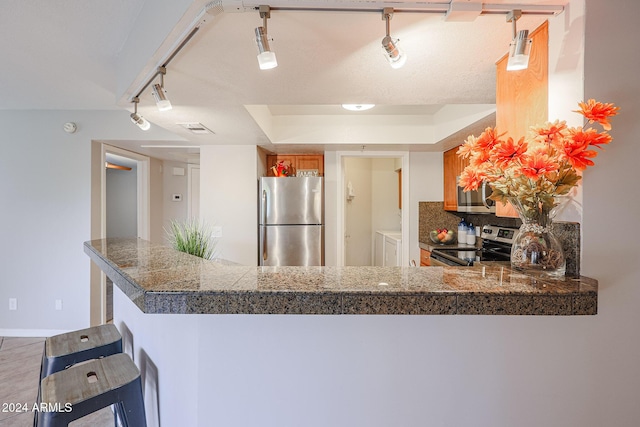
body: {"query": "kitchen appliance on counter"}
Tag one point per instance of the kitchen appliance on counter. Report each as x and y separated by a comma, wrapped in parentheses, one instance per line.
(475, 201)
(496, 246)
(291, 221)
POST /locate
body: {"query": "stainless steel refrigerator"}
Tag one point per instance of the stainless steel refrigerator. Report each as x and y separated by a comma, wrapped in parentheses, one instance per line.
(291, 221)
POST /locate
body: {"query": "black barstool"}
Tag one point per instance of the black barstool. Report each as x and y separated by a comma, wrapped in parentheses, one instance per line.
(85, 388)
(64, 350)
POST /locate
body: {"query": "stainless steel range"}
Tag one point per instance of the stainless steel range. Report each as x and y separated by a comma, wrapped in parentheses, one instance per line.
(496, 246)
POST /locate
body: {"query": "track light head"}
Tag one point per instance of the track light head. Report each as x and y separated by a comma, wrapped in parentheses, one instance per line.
(140, 121)
(136, 118)
(266, 58)
(396, 56)
(520, 46)
(160, 96)
(519, 50)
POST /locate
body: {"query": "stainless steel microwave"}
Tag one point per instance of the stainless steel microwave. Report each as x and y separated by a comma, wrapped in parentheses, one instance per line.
(476, 201)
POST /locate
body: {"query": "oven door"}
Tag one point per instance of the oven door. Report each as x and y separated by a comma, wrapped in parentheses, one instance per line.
(441, 258)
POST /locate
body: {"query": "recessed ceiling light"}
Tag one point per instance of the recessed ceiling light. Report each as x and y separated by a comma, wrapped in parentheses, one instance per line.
(358, 107)
(197, 128)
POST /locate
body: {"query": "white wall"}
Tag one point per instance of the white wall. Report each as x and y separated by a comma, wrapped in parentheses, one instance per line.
(427, 185)
(610, 351)
(228, 199)
(332, 179)
(45, 175)
(174, 184)
(566, 86)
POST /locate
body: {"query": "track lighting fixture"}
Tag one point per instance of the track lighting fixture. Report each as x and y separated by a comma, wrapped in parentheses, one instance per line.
(520, 46)
(137, 118)
(266, 58)
(159, 94)
(396, 57)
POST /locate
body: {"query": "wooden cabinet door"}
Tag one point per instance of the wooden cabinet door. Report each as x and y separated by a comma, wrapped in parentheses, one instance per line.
(425, 258)
(310, 161)
(522, 97)
(453, 167)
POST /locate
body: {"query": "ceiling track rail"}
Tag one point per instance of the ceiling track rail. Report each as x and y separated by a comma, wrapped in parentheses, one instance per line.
(487, 8)
(213, 9)
(217, 7)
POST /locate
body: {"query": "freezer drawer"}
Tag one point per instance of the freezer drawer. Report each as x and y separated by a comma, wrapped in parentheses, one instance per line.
(298, 245)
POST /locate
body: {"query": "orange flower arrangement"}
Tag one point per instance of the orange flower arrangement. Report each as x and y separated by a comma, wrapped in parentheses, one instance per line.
(541, 166)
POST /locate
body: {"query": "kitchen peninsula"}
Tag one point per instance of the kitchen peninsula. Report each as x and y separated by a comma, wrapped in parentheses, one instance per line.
(207, 342)
(159, 279)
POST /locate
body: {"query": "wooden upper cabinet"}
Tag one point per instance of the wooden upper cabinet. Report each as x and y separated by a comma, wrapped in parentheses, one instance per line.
(310, 161)
(522, 97)
(297, 161)
(453, 167)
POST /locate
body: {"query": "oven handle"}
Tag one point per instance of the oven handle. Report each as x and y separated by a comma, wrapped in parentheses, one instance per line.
(435, 262)
(448, 260)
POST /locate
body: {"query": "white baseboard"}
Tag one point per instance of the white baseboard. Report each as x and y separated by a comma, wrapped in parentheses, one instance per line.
(31, 333)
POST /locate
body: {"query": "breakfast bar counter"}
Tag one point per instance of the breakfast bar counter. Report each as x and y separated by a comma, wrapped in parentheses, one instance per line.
(160, 280)
(223, 344)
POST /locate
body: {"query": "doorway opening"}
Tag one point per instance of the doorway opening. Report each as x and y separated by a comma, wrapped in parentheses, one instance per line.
(372, 224)
(104, 195)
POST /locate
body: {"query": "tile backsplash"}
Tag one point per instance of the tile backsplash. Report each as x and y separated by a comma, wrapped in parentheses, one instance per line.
(432, 215)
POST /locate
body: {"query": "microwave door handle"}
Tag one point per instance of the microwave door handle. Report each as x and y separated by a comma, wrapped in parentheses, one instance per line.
(484, 194)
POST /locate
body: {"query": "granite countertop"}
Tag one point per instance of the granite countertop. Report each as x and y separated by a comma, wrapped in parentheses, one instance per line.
(159, 279)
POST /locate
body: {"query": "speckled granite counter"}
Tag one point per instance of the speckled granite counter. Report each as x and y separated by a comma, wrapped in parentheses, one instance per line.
(159, 279)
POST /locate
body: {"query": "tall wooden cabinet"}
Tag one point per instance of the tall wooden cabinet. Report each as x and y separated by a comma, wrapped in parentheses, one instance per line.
(522, 97)
(453, 167)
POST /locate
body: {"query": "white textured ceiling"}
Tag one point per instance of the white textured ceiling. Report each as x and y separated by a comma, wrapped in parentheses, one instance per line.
(63, 55)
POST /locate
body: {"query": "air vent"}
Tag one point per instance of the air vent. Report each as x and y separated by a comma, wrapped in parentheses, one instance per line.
(196, 128)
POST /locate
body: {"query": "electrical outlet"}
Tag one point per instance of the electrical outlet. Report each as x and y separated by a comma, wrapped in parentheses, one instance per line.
(13, 303)
(58, 304)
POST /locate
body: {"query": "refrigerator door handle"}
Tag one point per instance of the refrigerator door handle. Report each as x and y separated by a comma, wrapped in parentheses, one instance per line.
(264, 222)
(264, 243)
(264, 207)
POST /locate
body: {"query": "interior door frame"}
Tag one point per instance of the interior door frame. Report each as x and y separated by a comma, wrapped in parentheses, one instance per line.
(98, 297)
(341, 196)
(191, 196)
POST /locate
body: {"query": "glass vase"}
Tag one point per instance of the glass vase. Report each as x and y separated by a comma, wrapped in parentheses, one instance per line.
(536, 250)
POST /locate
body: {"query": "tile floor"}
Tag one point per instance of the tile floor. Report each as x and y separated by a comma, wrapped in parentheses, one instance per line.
(20, 360)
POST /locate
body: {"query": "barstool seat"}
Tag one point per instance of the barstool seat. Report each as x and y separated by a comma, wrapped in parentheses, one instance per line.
(85, 388)
(64, 350)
